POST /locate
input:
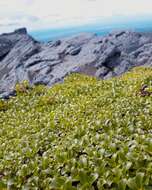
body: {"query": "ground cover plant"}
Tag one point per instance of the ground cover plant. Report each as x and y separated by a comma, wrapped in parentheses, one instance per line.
(84, 134)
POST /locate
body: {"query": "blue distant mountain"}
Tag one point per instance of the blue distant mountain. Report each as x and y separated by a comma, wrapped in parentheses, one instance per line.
(100, 28)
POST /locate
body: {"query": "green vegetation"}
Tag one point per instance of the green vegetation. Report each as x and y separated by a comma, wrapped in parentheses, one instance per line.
(83, 134)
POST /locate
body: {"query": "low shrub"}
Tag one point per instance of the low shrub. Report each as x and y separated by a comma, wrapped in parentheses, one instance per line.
(83, 134)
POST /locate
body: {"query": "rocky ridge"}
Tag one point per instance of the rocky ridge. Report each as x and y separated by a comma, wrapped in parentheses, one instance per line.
(24, 58)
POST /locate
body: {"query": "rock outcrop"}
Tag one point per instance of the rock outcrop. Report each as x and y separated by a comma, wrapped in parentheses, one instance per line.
(23, 58)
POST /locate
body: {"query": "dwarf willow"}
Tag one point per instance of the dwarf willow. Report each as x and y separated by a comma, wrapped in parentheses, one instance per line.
(84, 134)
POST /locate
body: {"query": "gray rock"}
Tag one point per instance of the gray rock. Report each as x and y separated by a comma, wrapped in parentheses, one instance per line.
(101, 72)
(5, 47)
(7, 95)
(109, 75)
(23, 58)
(122, 67)
(21, 31)
(55, 44)
(73, 51)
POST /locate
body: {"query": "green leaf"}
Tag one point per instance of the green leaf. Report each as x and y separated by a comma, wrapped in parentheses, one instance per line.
(3, 186)
(122, 184)
(93, 178)
(140, 179)
(68, 185)
(83, 177)
(132, 184)
(58, 182)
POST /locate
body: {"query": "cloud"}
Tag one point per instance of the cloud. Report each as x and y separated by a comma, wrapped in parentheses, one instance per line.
(17, 20)
(36, 14)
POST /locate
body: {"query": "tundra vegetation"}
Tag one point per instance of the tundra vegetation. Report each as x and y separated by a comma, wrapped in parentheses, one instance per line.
(83, 134)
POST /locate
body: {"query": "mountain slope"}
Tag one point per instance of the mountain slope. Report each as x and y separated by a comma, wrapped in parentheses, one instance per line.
(23, 58)
(83, 134)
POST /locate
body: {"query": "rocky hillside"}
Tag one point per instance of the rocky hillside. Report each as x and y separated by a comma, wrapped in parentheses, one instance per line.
(23, 58)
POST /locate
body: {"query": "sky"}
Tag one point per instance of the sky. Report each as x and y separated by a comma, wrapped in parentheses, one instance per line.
(41, 14)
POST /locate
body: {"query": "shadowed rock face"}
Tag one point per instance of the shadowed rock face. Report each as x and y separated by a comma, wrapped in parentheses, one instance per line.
(23, 58)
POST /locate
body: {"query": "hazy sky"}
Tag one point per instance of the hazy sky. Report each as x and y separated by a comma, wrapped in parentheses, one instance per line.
(36, 14)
